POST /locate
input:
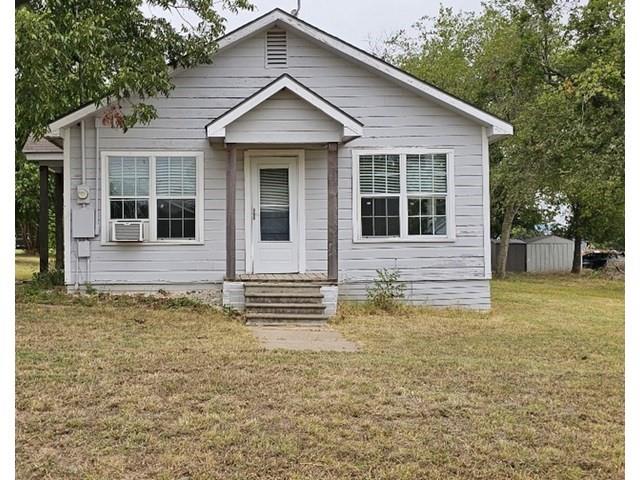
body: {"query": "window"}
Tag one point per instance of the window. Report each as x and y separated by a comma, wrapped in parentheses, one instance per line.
(403, 196)
(274, 204)
(427, 194)
(176, 197)
(129, 187)
(163, 190)
(380, 195)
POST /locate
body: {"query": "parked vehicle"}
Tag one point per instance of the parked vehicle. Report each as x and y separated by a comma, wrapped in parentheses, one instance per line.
(599, 258)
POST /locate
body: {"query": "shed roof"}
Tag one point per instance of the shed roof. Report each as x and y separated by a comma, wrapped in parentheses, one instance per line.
(513, 240)
(549, 239)
(40, 146)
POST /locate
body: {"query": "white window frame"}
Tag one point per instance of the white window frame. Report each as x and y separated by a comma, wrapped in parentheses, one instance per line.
(404, 217)
(151, 227)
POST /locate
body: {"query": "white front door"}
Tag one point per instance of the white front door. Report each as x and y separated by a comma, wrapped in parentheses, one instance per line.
(275, 214)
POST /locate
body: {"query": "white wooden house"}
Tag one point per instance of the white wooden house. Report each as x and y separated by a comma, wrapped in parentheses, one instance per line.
(292, 156)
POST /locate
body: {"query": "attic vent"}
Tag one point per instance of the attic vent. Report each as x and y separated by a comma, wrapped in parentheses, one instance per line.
(276, 48)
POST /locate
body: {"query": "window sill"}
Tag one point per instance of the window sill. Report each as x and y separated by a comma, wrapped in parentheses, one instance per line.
(405, 240)
(108, 243)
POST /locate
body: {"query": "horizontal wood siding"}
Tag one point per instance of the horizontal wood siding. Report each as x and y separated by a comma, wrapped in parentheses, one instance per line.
(392, 116)
(284, 118)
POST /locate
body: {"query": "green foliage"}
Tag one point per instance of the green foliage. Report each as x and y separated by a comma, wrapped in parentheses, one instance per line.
(556, 71)
(230, 312)
(71, 52)
(387, 290)
(48, 280)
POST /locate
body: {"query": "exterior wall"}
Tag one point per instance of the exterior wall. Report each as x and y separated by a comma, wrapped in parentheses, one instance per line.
(393, 117)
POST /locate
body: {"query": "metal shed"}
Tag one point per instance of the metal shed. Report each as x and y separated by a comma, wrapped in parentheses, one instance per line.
(516, 258)
(549, 253)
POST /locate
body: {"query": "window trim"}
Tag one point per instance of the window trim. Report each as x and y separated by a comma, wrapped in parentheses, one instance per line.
(153, 216)
(404, 219)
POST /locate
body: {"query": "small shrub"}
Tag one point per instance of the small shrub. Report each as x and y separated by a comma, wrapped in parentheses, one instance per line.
(180, 302)
(230, 312)
(48, 280)
(386, 290)
(90, 289)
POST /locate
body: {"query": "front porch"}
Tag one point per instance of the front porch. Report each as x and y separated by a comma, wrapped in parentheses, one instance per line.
(319, 278)
(261, 133)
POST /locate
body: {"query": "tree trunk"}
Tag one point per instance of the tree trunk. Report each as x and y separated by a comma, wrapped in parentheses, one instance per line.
(505, 236)
(577, 255)
(577, 238)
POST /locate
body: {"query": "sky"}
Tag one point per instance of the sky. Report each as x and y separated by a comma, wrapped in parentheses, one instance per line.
(360, 22)
(363, 23)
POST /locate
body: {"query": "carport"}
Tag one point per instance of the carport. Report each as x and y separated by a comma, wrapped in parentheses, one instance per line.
(50, 161)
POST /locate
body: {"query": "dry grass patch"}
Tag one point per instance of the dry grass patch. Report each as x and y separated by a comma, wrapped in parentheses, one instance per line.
(126, 390)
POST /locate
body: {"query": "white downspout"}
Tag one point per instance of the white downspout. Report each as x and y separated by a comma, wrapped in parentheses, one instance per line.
(96, 224)
(83, 154)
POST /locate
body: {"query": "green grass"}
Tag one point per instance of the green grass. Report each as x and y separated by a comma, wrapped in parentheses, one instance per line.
(120, 388)
(26, 265)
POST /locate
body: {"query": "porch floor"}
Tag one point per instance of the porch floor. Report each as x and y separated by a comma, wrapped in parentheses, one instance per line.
(284, 277)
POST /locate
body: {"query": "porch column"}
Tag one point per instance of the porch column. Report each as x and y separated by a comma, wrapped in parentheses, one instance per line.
(231, 211)
(43, 226)
(332, 212)
(58, 202)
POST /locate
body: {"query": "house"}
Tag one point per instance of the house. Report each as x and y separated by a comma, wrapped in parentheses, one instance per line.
(543, 254)
(294, 157)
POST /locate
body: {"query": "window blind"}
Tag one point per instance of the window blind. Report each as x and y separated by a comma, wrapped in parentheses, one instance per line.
(427, 173)
(176, 176)
(380, 174)
(274, 187)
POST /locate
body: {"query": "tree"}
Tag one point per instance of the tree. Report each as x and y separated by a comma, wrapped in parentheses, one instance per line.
(498, 59)
(73, 52)
(70, 52)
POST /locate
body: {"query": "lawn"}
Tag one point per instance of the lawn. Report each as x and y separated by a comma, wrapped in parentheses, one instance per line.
(122, 389)
(26, 265)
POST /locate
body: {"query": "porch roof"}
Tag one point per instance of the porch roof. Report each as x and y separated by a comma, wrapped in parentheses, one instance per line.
(350, 128)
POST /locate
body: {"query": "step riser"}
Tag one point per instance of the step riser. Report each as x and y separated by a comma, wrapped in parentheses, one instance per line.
(298, 310)
(289, 323)
(291, 290)
(284, 304)
(285, 299)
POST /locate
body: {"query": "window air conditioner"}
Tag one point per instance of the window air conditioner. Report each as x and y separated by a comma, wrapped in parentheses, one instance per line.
(127, 232)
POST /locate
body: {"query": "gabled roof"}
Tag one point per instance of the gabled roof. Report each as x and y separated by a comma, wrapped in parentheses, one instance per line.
(40, 146)
(352, 128)
(496, 127)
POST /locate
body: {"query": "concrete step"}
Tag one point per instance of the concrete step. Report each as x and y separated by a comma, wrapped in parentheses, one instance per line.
(285, 318)
(284, 297)
(299, 287)
(286, 323)
(297, 308)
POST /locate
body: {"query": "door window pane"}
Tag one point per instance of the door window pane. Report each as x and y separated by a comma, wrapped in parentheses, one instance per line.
(274, 204)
